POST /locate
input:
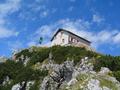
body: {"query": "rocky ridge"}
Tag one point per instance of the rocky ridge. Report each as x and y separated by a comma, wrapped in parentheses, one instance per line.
(66, 75)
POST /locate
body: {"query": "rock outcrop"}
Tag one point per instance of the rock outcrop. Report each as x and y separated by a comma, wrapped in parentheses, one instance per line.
(70, 77)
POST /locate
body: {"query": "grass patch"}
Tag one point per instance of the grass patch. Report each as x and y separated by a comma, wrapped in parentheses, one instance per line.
(107, 83)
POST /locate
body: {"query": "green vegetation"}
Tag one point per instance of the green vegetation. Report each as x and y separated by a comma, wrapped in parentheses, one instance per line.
(39, 56)
(36, 85)
(107, 83)
(111, 62)
(63, 53)
(18, 72)
(59, 53)
(36, 54)
(117, 75)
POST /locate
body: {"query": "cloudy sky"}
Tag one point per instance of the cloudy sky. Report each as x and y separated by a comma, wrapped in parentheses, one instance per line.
(22, 22)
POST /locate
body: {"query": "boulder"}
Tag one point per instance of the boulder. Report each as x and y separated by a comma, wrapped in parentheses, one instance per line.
(72, 82)
(104, 71)
(16, 87)
(93, 84)
(60, 74)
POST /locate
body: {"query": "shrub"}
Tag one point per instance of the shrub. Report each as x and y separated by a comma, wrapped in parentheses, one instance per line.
(24, 52)
(39, 56)
(61, 53)
(117, 75)
(111, 62)
(28, 74)
(36, 85)
(10, 68)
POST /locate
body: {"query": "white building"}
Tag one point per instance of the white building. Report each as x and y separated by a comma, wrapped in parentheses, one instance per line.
(64, 37)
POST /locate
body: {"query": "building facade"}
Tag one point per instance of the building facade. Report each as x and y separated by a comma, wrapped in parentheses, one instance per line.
(65, 38)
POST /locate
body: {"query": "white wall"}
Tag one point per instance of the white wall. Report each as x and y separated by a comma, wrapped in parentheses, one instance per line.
(58, 39)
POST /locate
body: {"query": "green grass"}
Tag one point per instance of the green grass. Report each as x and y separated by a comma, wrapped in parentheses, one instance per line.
(107, 83)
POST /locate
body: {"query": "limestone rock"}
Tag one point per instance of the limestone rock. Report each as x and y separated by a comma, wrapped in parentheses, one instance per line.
(72, 82)
(104, 71)
(16, 87)
(93, 84)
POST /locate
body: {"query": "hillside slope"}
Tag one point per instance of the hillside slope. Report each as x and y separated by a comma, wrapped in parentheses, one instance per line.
(60, 68)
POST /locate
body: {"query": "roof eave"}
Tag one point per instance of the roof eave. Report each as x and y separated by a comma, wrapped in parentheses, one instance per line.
(68, 32)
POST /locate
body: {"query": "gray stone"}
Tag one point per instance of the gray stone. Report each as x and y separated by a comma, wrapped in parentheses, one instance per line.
(104, 71)
(72, 82)
(16, 87)
(93, 84)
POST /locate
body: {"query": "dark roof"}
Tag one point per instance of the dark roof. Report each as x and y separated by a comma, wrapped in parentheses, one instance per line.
(70, 33)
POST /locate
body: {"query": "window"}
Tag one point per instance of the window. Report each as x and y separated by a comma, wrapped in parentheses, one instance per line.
(63, 40)
(71, 39)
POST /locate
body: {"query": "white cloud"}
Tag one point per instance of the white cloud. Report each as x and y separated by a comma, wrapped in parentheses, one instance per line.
(97, 18)
(6, 8)
(82, 28)
(47, 31)
(9, 6)
(4, 33)
(37, 7)
(32, 43)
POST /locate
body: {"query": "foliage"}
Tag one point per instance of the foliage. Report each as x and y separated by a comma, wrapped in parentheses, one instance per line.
(6, 87)
(62, 53)
(36, 54)
(36, 85)
(28, 74)
(117, 75)
(39, 56)
(111, 62)
(59, 53)
(24, 52)
(10, 69)
(17, 73)
(104, 82)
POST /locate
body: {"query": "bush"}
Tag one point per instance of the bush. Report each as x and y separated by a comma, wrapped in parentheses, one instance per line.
(36, 85)
(10, 69)
(24, 52)
(111, 62)
(39, 56)
(28, 74)
(61, 53)
(17, 73)
(117, 75)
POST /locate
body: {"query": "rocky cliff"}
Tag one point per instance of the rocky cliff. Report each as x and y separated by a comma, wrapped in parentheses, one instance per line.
(67, 75)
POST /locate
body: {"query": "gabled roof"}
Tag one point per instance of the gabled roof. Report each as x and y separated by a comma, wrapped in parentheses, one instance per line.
(59, 30)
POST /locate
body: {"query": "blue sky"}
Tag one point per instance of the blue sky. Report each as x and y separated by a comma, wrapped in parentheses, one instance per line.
(22, 22)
